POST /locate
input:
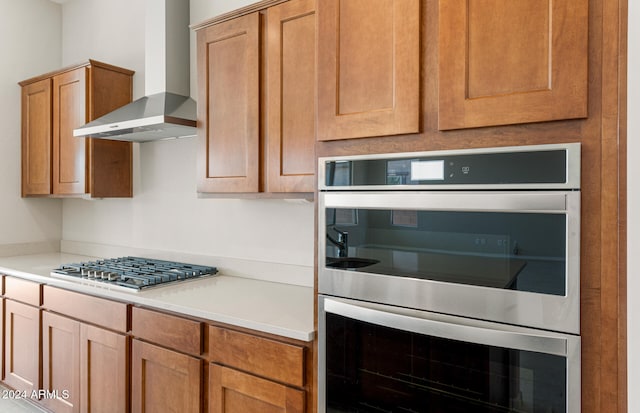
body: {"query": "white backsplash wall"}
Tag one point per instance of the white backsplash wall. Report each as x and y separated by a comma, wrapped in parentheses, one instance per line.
(30, 40)
(165, 213)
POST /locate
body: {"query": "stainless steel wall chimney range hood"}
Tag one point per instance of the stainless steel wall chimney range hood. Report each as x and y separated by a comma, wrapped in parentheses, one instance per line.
(167, 112)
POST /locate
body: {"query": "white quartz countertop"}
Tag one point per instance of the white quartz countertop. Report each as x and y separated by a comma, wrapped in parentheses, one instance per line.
(270, 307)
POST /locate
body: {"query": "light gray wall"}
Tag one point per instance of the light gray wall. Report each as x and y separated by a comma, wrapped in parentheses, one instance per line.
(633, 206)
(30, 40)
(165, 212)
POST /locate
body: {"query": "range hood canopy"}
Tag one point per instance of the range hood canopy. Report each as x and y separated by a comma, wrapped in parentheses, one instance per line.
(167, 112)
(159, 116)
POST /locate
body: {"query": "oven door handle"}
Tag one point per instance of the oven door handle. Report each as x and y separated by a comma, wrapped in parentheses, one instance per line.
(528, 201)
(454, 328)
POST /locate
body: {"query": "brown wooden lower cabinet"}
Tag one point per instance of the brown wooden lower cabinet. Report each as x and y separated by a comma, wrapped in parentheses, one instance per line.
(143, 360)
(233, 391)
(84, 368)
(164, 380)
(22, 347)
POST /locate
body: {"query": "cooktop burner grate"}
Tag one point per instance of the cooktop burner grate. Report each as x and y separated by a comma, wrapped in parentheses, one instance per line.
(134, 273)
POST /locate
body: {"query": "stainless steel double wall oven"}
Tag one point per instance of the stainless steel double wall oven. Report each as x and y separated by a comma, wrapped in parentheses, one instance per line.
(450, 281)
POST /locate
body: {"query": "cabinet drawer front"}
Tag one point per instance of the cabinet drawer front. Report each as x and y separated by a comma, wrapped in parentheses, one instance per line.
(28, 292)
(167, 330)
(267, 358)
(93, 310)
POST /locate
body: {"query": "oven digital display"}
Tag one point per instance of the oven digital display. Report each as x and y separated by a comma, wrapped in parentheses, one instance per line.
(427, 170)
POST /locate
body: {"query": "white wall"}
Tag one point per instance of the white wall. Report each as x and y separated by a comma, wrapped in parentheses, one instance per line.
(165, 212)
(30, 40)
(633, 206)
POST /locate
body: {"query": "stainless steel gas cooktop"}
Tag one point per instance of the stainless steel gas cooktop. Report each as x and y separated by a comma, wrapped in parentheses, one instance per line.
(132, 273)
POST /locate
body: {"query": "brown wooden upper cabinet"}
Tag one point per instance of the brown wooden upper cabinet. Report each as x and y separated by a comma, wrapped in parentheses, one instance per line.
(368, 68)
(54, 162)
(507, 62)
(256, 123)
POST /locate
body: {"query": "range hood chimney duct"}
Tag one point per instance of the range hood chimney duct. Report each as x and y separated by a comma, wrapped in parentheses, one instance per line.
(167, 112)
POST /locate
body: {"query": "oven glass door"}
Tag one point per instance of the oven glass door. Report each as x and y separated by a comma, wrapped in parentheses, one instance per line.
(379, 361)
(521, 242)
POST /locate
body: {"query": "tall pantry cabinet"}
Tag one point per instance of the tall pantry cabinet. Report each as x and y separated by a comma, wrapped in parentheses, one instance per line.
(510, 73)
(54, 162)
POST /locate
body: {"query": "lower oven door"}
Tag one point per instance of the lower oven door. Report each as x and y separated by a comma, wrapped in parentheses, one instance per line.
(378, 358)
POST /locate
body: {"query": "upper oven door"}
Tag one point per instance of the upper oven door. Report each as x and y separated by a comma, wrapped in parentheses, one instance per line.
(510, 257)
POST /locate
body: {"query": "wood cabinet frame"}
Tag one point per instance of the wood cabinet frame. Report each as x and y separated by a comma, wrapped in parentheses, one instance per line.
(603, 138)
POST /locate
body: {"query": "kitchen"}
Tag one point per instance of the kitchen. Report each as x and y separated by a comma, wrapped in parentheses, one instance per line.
(245, 232)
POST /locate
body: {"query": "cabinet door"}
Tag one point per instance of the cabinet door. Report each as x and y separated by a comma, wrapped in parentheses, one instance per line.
(229, 104)
(22, 346)
(69, 152)
(291, 77)
(506, 62)
(232, 391)
(163, 380)
(368, 68)
(103, 371)
(36, 138)
(60, 359)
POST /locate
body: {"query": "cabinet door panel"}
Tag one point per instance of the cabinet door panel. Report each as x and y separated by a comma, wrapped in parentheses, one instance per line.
(69, 152)
(368, 68)
(164, 380)
(36, 138)
(103, 371)
(22, 346)
(232, 391)
(291, 105)
(60, 358)
(506, 62)
(229, 118)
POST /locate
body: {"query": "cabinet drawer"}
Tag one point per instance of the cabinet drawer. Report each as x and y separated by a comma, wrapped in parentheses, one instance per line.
(264, 357)
(167, 330)
(93, 310)
(28, 292)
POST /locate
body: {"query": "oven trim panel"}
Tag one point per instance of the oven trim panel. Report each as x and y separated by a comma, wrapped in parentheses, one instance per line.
(572, 172)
